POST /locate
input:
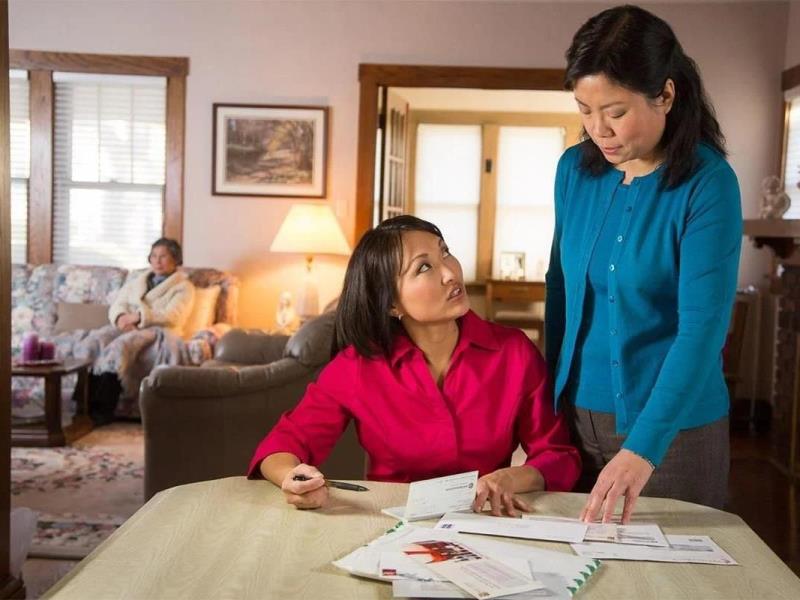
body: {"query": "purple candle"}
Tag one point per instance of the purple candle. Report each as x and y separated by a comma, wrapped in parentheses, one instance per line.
(30, 347)
(47, 350)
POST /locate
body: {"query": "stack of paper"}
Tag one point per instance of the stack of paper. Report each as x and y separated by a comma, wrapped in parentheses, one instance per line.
(543, 573)
(681, 548)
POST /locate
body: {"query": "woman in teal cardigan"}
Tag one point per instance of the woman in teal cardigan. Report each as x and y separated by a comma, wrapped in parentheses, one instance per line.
(643, 269)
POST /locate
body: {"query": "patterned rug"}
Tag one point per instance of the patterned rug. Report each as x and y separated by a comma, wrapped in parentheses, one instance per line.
(82, 492)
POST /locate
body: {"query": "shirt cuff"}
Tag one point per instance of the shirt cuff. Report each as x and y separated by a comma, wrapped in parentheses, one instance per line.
(650, 440)
(560, 471)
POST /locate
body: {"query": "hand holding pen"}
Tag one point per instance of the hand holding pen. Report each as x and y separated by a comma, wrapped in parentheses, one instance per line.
(304, 486)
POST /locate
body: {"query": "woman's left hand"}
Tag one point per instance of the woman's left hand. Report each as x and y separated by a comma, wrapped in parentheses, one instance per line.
(498, 488)
(625, 475)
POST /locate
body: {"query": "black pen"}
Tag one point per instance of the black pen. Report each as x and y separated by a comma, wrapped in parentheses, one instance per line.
(341, 485)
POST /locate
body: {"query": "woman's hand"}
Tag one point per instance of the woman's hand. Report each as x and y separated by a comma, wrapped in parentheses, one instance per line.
(305, 494)
(625, 475)
(498, 487)
(128, 321)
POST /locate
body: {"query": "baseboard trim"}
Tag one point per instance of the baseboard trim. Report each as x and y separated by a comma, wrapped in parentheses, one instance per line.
(12, 587)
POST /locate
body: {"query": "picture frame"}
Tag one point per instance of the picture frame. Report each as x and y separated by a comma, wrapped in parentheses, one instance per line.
(269, 150)
(512, 266)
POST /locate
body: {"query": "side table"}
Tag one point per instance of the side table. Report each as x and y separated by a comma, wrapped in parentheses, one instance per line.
(51, 432)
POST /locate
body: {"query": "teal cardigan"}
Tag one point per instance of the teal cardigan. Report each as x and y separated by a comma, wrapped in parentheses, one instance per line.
(672, 281)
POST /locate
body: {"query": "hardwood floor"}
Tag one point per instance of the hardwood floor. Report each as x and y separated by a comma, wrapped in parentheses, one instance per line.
(763, 497)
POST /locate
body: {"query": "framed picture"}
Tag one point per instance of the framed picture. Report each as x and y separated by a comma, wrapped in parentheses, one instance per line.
(512, 265)
(264, 150)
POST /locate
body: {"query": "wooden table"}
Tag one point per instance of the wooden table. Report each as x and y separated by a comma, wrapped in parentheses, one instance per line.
(52, 432)
(233, 538)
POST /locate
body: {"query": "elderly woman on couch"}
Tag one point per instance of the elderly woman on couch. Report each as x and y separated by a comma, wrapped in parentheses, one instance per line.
(162, 297)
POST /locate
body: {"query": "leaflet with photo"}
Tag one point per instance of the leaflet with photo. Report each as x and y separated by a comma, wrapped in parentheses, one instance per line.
(479, 576)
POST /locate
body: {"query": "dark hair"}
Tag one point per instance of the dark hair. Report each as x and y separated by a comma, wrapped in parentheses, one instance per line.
(639, 51)
(363, 317)
(172, 246)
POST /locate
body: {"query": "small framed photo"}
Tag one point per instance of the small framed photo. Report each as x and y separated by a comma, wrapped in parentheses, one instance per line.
(269, 150)
(512, 265)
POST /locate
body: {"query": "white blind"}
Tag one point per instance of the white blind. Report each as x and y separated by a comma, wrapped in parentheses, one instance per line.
(109, 168)
(526, 165)
(791, 175)
(20, 154)
(447, 189)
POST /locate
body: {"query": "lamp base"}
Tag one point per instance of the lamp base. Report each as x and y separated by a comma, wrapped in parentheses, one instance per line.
(308, 301)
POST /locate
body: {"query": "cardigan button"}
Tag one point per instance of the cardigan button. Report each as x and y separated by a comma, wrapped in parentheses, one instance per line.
(611, 299)
(614, 363)
(611, 267)
(628, 208)
(619, 238)
(619, 395)
(613, 332)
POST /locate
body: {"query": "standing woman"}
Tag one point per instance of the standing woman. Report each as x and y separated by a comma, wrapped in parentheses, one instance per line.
(643, 269)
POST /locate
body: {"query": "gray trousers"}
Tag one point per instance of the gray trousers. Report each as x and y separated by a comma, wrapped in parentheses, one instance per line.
(695, 468)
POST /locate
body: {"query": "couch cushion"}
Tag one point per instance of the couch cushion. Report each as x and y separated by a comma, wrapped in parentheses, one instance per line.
(77, 315)
(203, 310)
(311, 345)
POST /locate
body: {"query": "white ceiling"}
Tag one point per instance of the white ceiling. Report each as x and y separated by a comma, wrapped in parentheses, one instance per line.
(487, 100)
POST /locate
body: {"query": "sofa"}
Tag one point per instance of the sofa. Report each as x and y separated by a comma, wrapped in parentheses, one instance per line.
(205, 423)
(44, 297)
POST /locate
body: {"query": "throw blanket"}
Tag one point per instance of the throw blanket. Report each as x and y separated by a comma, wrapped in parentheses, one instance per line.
(133, 354)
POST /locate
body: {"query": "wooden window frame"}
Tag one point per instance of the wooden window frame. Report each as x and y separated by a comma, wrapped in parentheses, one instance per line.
(490, 122)
(40, 66)
(372, 77)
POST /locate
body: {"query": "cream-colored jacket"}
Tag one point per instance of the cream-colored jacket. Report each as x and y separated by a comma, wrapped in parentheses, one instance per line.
(167, 305)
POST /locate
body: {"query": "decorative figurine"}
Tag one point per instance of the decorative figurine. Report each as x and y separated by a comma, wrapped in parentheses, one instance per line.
(286, 317)
(774, 200)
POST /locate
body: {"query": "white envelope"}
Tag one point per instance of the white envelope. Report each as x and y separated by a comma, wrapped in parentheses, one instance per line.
(530, 528)
(683, 549)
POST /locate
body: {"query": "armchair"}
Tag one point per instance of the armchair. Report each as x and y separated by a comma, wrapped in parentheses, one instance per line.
(205, 423)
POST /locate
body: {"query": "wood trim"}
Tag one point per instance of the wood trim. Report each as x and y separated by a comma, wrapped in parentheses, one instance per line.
(40, 198)
(787, 107)
(5, 303)
(365, 166)
(467, 117)
(372, 76)
(487, 209)
(115, 64)
(790, 78)
(501, 78)
(175, 163)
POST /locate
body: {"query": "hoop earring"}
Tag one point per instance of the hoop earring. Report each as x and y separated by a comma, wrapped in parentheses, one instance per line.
(399, 317)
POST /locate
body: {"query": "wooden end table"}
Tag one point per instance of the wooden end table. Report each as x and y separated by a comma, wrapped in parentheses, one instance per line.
(51, 432)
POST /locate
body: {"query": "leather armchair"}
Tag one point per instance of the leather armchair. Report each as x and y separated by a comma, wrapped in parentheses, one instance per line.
(204, 423)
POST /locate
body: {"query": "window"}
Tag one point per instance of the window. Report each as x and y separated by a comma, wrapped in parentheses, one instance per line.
(489, 186)
(20, 163)
(526, 170)
(447, 190)
(97, 155)
(791, 172)
(109, 168)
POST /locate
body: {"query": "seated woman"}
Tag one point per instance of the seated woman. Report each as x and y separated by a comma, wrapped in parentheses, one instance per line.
(161, 297)
(433, 388)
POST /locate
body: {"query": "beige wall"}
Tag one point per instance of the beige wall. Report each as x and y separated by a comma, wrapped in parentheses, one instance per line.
(308, 53)
(793, 41)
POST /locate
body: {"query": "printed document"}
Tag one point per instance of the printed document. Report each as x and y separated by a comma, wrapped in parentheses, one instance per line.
(432, 498)
(682, 549)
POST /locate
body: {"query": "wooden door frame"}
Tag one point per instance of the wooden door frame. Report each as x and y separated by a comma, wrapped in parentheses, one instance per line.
(372, 77)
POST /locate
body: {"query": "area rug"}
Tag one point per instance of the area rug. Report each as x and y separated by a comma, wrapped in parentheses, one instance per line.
(82, 492)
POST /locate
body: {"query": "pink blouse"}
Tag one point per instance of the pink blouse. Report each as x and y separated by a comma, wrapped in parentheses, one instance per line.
(495, 395)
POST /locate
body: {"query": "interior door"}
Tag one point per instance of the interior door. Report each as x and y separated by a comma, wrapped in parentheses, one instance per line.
(394, 189)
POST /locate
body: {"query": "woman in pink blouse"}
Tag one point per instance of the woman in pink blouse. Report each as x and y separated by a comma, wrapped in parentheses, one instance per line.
(433, 388)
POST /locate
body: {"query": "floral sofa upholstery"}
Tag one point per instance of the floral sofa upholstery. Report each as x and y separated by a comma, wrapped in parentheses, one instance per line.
(36, 291)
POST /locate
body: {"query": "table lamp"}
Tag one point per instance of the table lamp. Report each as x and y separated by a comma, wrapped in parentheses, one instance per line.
(310, 229)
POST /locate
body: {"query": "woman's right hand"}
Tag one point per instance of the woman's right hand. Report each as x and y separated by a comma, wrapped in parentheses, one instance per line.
(305, 494)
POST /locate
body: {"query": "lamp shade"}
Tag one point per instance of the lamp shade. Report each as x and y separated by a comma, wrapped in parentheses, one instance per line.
(310, 229)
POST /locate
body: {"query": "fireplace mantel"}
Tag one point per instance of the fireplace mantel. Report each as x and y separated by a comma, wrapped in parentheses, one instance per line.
(782, 235)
